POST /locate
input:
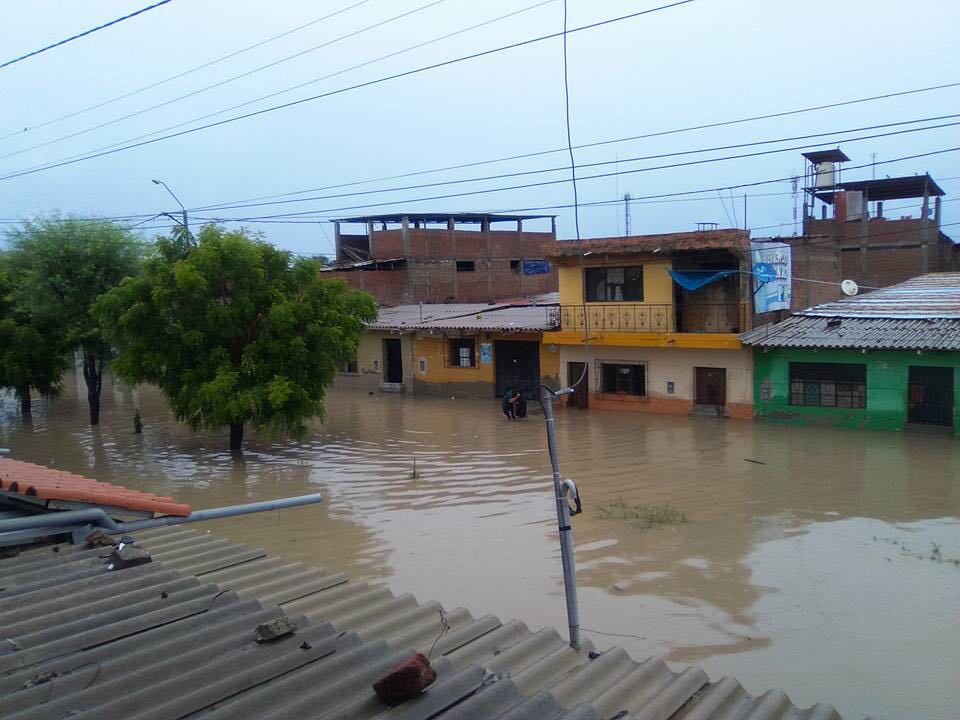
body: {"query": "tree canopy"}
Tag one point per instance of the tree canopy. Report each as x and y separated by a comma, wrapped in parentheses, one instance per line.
(32, 353)
(234, 332)
(62, 265)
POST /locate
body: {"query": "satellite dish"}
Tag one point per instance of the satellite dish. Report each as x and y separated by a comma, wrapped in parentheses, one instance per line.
(849, 287)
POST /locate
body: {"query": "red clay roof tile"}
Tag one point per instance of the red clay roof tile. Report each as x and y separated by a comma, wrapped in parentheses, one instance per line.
(49, 484)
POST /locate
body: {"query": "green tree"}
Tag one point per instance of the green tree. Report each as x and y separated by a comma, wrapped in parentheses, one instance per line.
(62, 265)
(32, 355)
(234, 332)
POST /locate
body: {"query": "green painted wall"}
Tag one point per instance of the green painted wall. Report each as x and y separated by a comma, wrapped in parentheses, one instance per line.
(887, 374)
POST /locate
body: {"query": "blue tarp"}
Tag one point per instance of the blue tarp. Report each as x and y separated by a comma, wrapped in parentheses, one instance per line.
(695, 279)
(536, 267)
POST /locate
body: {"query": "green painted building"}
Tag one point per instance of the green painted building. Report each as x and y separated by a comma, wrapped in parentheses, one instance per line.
(886, 360)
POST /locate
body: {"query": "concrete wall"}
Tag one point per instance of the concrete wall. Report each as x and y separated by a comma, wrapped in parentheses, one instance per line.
(887, 377)
(442, 378)
(370, 361)
(665, 365)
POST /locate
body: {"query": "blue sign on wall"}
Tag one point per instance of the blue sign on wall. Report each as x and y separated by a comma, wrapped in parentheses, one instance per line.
(536, 267)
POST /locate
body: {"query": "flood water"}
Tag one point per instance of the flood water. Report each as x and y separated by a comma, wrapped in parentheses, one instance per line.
(829, 567)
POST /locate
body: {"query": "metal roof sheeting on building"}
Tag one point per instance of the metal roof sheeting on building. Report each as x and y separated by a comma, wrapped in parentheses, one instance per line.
(174, 639)
(455, 316)
(922, 313)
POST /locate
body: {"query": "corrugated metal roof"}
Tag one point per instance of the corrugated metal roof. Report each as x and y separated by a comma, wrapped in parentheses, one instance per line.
(501, 316)
(36, 481)
(922, 313)
(174, 638)
(930, 296)
(857, 333)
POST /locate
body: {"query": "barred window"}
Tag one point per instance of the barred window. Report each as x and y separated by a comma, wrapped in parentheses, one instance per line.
(623, 379)
(842, 385)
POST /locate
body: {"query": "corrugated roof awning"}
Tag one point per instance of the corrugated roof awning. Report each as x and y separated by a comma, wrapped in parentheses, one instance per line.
(695, 279)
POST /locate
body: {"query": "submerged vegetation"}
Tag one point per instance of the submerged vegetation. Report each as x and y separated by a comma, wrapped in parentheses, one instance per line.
(642, 516)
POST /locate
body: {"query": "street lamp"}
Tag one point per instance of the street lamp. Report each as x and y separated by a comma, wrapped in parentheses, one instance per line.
(186, 225)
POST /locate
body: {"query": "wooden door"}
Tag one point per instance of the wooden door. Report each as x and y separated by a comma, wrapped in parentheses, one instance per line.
(581, 393)
(710, 386)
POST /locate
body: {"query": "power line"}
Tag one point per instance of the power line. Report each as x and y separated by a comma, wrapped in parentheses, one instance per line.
(523, 173)
(599, 143)
(342, 71)
(350, 88)
(83, 34)
(179, 75)
(598, 176)
(220, 83)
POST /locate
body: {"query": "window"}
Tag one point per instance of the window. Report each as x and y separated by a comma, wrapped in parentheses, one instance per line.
(623, 379)
(349, 367)
(614, 284)
(828, 385)
(463, 352)
(515, 266)
(466, 266)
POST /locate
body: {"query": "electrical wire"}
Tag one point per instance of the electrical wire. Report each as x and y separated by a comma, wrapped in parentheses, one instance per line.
(83, 34)
(342, 71)
(350, 88)
(523, 173)
(221, 83)
(545, 183)
(179, 75)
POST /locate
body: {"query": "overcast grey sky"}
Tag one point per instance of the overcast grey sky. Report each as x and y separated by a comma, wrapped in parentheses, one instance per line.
(707, 61)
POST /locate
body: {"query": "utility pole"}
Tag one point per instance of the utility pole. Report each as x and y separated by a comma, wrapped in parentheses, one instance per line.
(185, 223)
(626, 214)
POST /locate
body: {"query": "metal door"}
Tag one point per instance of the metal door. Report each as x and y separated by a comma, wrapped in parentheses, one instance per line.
(581, 392)
(930, 395)
(710, 386)
(517, 364)
(393, 361)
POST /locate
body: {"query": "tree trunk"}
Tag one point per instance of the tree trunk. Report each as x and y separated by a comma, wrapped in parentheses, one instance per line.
(236, 438)
(26, 402)
(93, 376)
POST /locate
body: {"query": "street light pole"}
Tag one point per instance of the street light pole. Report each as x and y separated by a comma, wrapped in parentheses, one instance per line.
(186, 225)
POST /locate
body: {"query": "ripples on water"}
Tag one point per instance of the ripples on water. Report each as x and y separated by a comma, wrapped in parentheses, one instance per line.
(808, 572)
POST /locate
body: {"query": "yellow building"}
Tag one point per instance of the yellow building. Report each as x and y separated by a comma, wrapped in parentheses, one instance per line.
(462, 350)
(659, 316)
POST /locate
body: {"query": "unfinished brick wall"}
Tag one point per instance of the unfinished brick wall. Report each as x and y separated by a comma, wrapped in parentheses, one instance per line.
(881, 252)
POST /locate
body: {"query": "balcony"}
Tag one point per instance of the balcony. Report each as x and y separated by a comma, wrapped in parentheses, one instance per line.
(642, 318)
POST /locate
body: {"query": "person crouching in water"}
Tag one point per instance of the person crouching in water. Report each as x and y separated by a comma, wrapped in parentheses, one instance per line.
(510, 400)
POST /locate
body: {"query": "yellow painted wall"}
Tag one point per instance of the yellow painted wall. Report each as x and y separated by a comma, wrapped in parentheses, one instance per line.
(435, 350)
(657, 283)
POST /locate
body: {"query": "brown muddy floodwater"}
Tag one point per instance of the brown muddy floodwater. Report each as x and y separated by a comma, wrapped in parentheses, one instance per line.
(811, 572)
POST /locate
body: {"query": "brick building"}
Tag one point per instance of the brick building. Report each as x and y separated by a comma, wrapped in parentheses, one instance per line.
(880, 232)
(445, 257)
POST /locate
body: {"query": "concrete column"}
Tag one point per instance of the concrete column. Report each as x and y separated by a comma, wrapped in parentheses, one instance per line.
(370, 238)
(925, 225)
(485, 229)
(553, 227)
(336, 242)
(405, 235)
(519, 225)
(936, 211)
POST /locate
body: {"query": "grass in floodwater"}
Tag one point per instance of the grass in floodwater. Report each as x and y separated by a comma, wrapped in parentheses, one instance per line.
(642, 516)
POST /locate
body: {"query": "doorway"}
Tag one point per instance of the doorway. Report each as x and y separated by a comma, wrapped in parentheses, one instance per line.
(710, 386)
(581, 392)
(517, 365)
(930, 396)
(393, 361)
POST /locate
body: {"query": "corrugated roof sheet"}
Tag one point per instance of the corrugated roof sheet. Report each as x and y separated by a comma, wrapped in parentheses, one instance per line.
(922, 313)
(934, 295)
(36, 481)
(857, 333)
(727, 239)
(174, 639)
(456, 316)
